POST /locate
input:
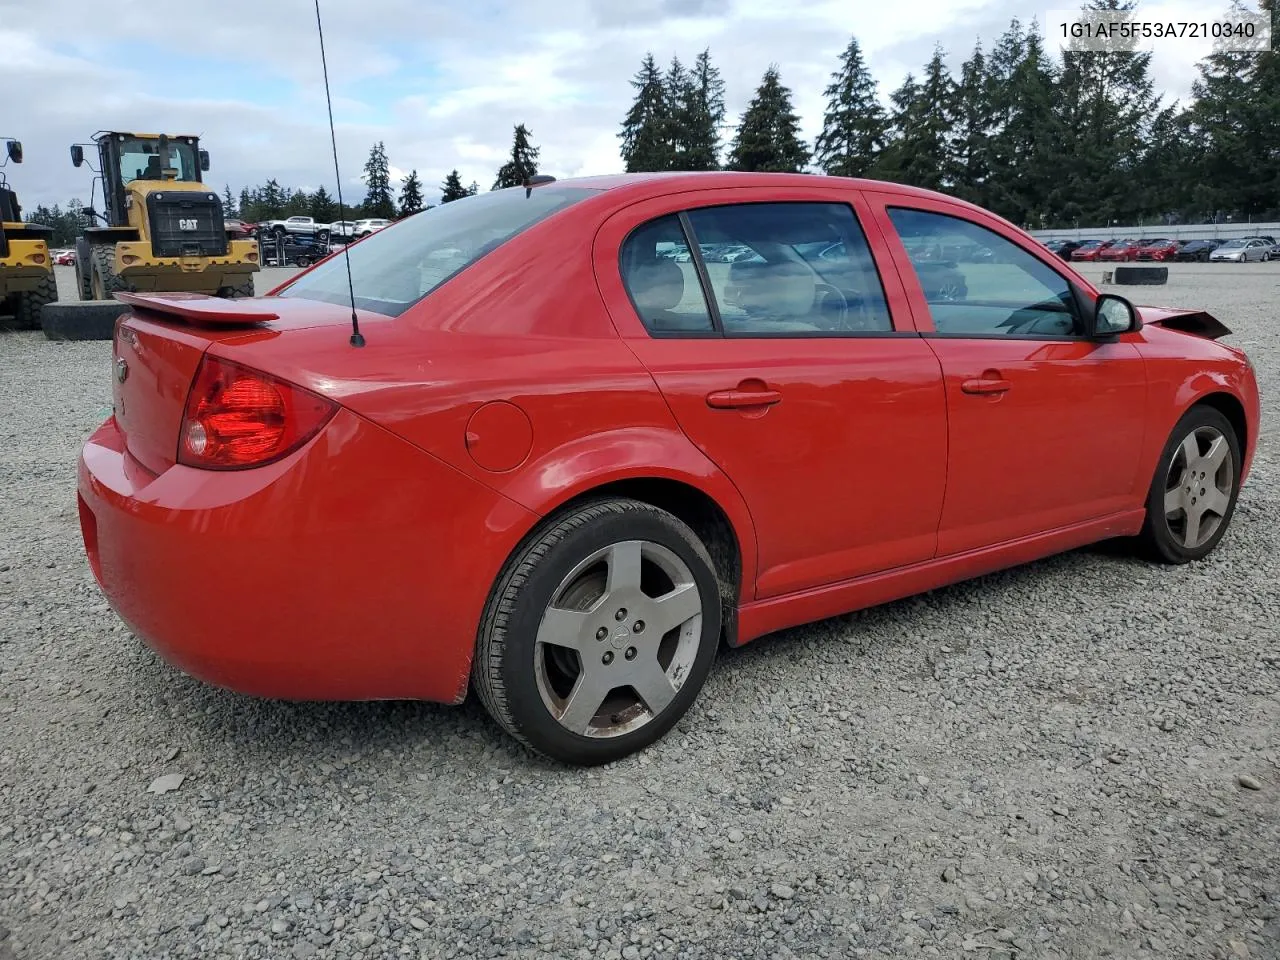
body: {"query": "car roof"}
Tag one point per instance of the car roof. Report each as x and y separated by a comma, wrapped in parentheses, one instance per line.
(640, 186)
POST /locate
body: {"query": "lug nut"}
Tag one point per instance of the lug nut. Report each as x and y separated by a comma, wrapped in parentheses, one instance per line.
(621, 614)
(631, 653)
(601, 633)
(639, 626)
(607, 658)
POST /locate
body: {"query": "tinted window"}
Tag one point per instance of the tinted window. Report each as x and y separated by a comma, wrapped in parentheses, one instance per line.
(978, 283)
(790, 268)
(399, 265)
(662, 278)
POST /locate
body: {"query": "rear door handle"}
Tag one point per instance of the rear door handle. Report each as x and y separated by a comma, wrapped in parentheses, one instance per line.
(731, 399)
(985, 386)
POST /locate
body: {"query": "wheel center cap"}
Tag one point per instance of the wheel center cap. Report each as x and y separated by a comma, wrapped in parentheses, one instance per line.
(620, 638)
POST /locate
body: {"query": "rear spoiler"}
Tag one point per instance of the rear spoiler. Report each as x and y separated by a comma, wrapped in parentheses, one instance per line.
(1195, 322)
(200, 309)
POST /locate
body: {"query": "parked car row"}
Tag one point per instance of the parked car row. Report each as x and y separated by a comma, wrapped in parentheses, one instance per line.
(1165, 249)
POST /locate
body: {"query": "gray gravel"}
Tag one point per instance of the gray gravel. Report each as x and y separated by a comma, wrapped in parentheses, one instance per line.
(1079, 758)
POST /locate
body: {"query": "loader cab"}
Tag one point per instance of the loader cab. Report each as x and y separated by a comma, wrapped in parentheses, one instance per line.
(153, 158)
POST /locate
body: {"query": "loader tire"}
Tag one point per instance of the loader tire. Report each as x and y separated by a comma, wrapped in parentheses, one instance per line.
(103, 279)
(29, 304)
(242, 289)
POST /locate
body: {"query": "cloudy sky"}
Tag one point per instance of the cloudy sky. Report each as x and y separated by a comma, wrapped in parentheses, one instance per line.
(441, 83)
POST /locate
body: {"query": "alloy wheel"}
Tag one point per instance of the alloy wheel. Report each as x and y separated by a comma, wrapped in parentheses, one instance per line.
(618, 639)
(1199, 486)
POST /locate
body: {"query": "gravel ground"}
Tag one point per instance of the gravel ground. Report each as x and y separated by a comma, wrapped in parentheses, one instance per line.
(1078, 758)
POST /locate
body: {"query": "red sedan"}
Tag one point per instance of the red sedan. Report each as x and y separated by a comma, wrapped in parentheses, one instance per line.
(1121, 250)
(1159, 250)
(1090, 250)
(568, 452)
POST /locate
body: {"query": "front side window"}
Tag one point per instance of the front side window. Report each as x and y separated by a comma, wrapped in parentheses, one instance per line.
(790, 268)
(977, 283)
(140, 160)
(394, 268)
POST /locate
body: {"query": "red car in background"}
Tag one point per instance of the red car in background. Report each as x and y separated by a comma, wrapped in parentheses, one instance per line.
(569, 455)
(239, 230)
(1159, 250)
(1121, 250)
(1090, 249)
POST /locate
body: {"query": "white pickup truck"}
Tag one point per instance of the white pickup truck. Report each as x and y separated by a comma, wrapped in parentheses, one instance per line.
(297, 226)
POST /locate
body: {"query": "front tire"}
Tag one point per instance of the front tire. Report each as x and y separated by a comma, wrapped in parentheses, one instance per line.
(599, 632)
(1194, 491)
(103, 279)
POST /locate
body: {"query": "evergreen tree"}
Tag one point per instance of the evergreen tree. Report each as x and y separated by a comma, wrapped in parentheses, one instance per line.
(1028, 147)
(924, 113)
(971, 135)
(453, 188)
(853, 127)
(700, 115)
(473, 189)
(1106, 99)
(248, 209)
(321, 206)
(270, 200)
(229, 209)
(410, 194)
(646, 131)
(769, 135)
(523, 163)
(297, 203)
(378, 202)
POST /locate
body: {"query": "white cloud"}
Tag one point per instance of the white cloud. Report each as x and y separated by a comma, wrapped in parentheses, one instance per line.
(442, 84)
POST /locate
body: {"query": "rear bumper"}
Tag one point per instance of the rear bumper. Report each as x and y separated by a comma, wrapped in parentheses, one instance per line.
(26, 265)
(136, 263)
(357, 568)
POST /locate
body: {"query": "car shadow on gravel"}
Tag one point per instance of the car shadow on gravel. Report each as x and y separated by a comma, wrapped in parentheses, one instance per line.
(222, 722)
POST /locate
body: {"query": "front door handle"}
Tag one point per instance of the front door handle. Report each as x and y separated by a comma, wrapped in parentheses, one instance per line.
(985, 386)
(736, 399)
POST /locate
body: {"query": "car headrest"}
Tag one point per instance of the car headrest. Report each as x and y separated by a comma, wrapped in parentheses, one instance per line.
(657, 285)
(780, 290)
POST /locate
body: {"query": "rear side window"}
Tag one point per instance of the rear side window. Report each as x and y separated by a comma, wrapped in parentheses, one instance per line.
(400, 264)
(662, 279)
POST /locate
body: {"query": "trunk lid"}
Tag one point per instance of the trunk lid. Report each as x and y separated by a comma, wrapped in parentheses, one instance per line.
(159, 345)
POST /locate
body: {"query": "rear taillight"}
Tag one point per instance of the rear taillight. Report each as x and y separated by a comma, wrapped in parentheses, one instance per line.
(238, 418)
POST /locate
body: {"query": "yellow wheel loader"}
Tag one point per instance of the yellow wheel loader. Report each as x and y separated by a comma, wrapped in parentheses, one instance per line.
(163, 227)
(26, 265)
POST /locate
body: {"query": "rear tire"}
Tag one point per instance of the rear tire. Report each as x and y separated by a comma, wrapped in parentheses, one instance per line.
(564, 660)
(244, 289)
(29, 305)
(1196, 480)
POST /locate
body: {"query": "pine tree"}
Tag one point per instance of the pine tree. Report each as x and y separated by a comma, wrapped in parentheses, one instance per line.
(453, 188)
(974, 121)
(297, 203)
(701, 113)
(1107, 100)
(321, 206)
(1031, 177)
(473, 189)
(920, 151)
(229, 209)
(769, 135)
(853, 128)
(410, 194)
(646, 131)
(271, 199)
(523, 163)
(248, 209)
(378, 202)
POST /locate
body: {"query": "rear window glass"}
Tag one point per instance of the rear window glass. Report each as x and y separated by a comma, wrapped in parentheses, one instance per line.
(396, 267)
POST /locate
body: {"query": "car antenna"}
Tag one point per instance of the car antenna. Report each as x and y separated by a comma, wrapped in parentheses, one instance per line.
(357, 339)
